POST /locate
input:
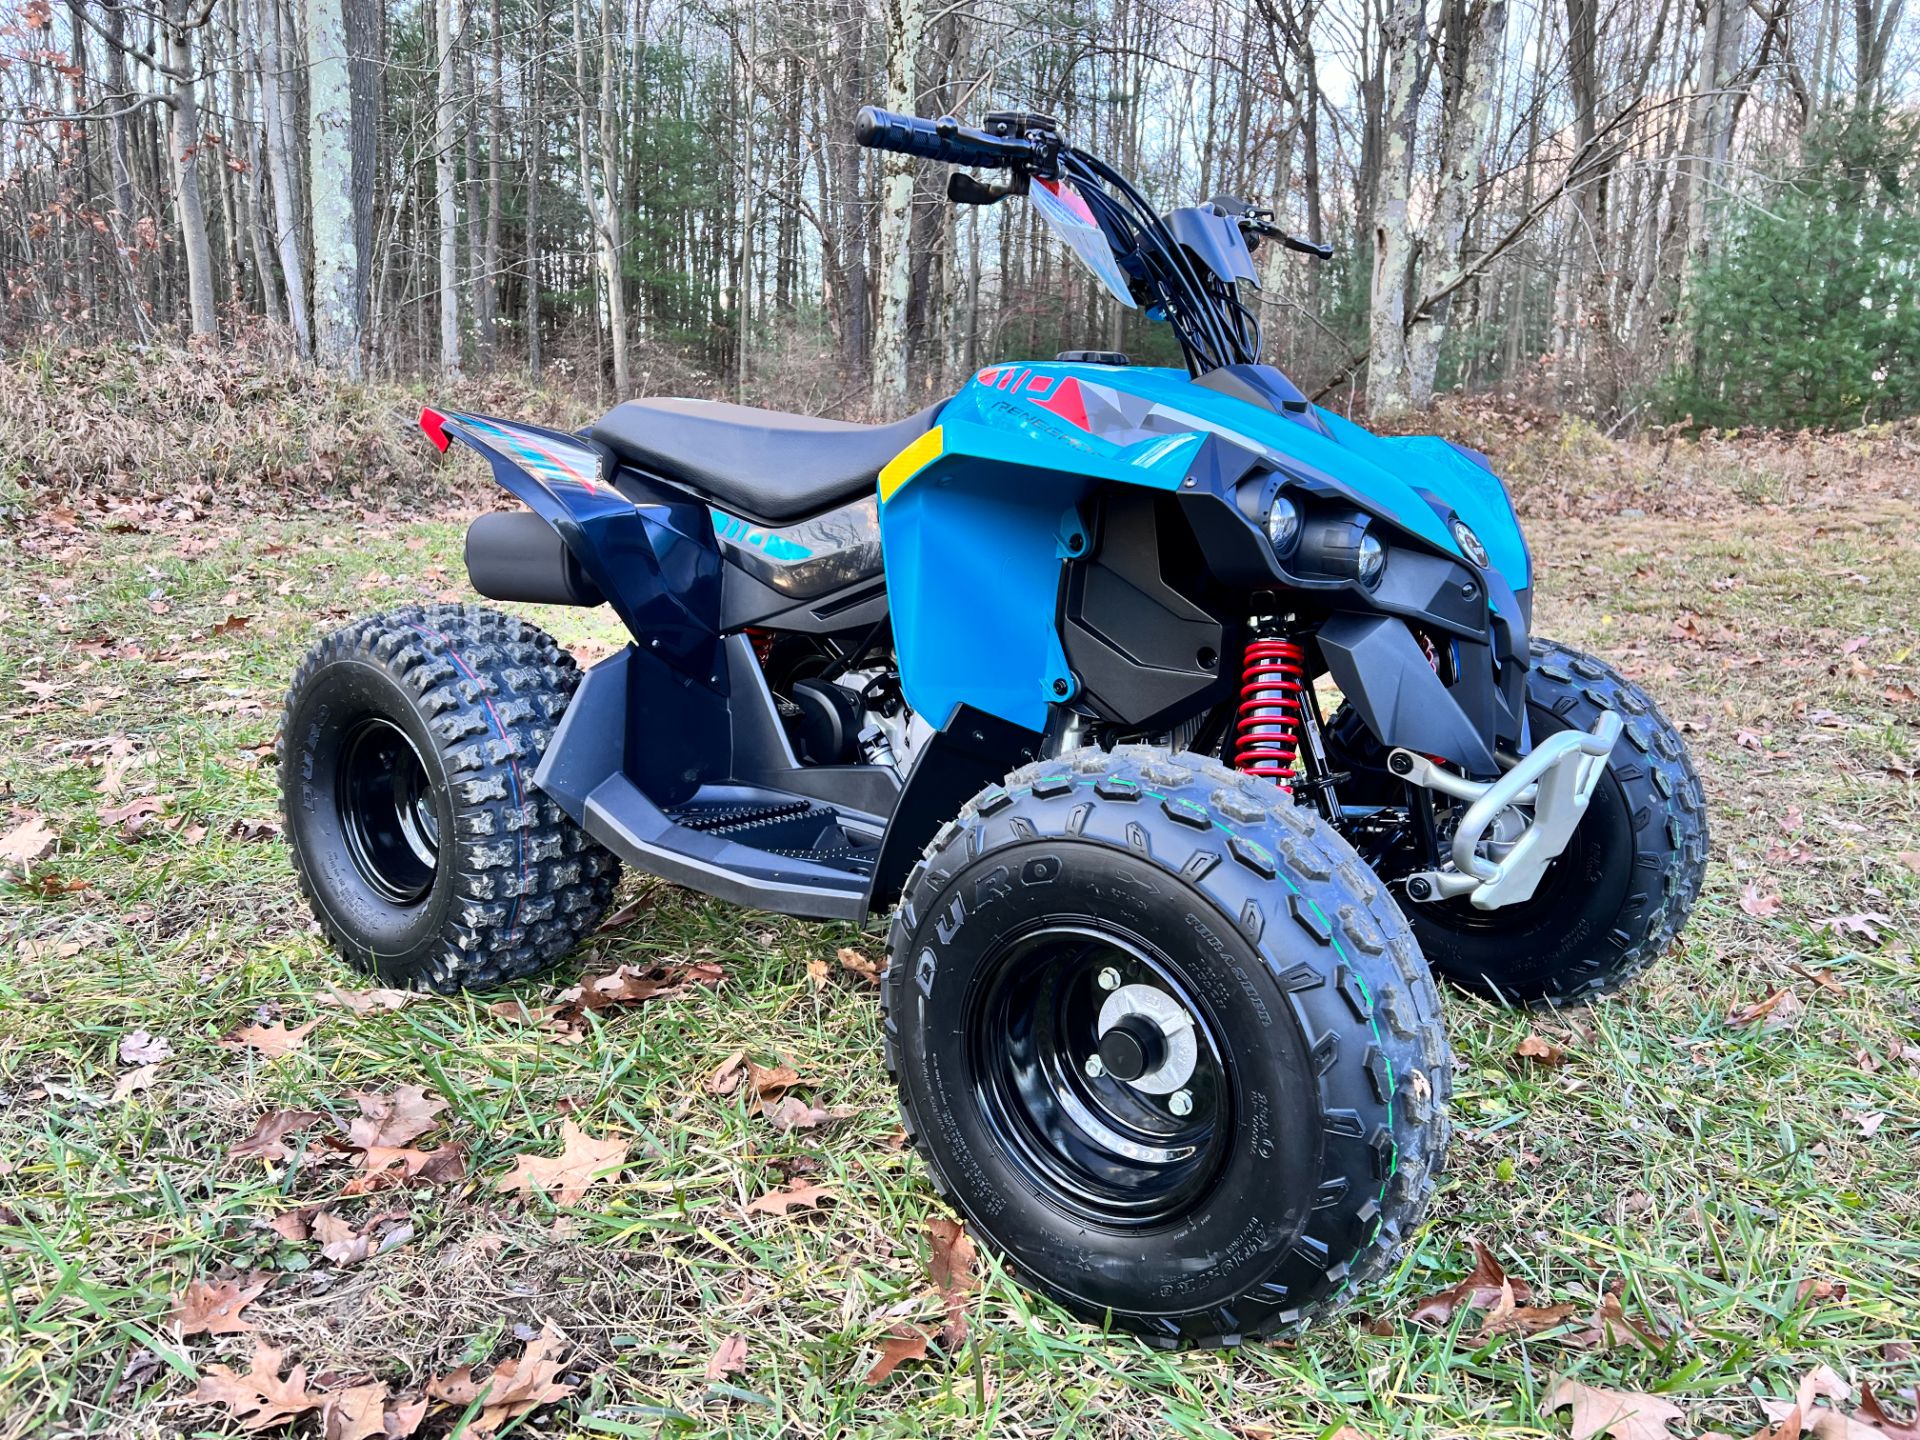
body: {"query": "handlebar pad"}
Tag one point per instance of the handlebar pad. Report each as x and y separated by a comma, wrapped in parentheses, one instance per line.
(942, 139)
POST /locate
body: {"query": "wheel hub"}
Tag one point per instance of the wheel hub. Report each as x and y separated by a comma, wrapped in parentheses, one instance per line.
(1102, 1074)
(1153, 1034)
(387, 812)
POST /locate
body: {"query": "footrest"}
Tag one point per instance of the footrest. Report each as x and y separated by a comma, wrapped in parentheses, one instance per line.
(720, 818)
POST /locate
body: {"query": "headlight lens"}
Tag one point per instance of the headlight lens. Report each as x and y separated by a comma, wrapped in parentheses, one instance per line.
(1371, 560)
(1283, 524)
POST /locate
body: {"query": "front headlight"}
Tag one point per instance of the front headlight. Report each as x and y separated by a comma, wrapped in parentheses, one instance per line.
(1341, 545)
(1370, 559)
(1283, 524)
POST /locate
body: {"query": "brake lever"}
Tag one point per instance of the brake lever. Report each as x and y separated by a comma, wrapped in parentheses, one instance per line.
(963, 189)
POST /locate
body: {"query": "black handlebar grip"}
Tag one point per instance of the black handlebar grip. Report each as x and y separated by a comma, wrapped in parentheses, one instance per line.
(942, 139)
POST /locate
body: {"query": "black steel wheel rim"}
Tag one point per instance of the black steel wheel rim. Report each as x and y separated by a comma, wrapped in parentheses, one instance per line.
(388, 816)
(1092, 1144)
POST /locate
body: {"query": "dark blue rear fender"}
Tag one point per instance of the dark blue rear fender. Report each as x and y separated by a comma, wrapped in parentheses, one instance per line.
(650, 550)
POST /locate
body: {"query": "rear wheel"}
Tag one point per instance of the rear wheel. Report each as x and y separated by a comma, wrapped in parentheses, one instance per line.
(1167, 1044)
(407, 753)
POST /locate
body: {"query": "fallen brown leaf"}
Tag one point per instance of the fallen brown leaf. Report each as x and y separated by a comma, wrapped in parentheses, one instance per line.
(341, 1241)
(1760, 906)
(137, 1047)
(800, 1195)
(859, 964)
(135, 817)
(1481, 1289)
(791, 1113)
(133, 1080)
(1761, 1009)
(729, 1359)
(904, 1342)
(271, 1129)
(446, 1165)
(364, 1002)
(27, 841)
(582, 1163)
(952, 1260)
(817, 973)
(392, 1118)
(215, 1308)
(1623, 1414)
(356, 1413)
(260, 1398)
(516, 1387)
(1817, 1291)
(231, 624)
(273, 1041)
(1540, 1051)
(1875, 1414)
(1612, 1326)
(295, 1225)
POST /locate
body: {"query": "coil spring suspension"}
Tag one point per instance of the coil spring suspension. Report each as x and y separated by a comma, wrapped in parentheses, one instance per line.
(1273, 687)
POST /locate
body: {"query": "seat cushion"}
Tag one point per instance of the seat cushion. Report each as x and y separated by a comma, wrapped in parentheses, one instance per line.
(761, 464)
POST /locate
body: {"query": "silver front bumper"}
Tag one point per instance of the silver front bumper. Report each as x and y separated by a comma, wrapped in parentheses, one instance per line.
(1547, 790)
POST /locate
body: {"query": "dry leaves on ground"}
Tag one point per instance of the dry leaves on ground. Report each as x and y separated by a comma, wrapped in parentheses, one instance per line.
(270, 1132)
(273, 1041)
(1541, 1052)
(582, 1163)
(952, 1265)
(387, 1167)
(1802, 1415)
(801, 1195)
(1621, 1414)
(137, 1047)
(347, 1244)
(515, 1388)
(394, 1118)
(629, 985)
(904, 1342)
(136, 1079)
(27, 841)
(215, 1308)
(1761, 906)
(730, 1358)
(868, 970)
(262, 1398)
(365, 1002)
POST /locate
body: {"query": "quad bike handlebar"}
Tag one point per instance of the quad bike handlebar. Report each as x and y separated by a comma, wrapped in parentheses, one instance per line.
(946, 139)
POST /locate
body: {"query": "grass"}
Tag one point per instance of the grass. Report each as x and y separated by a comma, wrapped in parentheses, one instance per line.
(1702, 1169)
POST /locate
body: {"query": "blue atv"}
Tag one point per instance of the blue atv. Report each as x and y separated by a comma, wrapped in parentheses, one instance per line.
(1048, 671)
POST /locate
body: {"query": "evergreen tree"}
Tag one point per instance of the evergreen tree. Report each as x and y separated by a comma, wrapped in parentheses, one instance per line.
(1809, 313)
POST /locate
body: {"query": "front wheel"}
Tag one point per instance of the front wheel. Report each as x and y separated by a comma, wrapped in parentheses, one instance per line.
(1167, 1044)
(407, 754)
(1620, 892)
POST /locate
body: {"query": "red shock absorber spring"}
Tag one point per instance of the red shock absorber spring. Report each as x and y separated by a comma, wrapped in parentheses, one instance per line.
(1273, 688)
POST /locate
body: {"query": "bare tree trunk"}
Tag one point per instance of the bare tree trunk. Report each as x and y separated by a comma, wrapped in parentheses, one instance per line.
(905, 25)
(1468, 131)
(489, 287)
(1389, 388)
(283, 161)
(184, 145)
(534, 154)
(336, 246)
(443, 165)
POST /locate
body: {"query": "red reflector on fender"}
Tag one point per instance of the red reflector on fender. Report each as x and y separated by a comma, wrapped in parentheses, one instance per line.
(434, 425)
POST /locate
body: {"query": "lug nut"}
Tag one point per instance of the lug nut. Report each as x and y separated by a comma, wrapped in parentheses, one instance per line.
(1418, 887)
(1095, 1067)
(1109, 979)
(1180, 1102)
(1400, 764)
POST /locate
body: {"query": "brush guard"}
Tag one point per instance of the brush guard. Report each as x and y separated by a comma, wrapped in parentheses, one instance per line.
(1556, 779)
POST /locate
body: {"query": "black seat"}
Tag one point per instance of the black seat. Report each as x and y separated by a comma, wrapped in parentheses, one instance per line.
(761, 464)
